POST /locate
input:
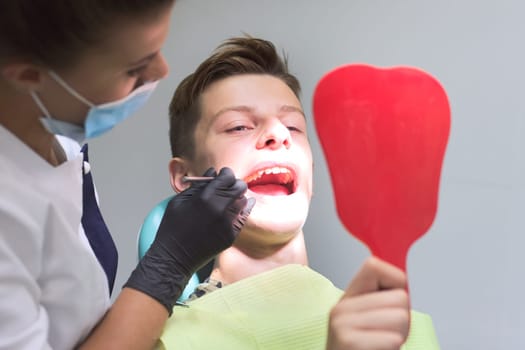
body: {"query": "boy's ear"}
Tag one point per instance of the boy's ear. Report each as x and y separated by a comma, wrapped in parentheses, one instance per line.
(178, 168)
(23, 76)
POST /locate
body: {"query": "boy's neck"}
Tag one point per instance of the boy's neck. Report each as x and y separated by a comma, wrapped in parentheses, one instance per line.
(235, 264)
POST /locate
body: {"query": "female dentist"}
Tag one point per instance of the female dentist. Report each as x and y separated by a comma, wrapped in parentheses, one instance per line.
(75, 69)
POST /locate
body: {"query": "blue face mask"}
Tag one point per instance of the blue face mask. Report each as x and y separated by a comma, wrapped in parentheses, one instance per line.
(101, 118)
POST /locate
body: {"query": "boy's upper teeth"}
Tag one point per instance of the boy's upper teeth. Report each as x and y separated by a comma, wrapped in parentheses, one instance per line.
(273, 170)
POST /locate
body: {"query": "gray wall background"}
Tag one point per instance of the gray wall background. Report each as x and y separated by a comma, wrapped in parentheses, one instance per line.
(467, 271)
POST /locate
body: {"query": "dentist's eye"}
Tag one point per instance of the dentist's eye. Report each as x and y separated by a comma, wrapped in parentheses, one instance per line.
(135, 72)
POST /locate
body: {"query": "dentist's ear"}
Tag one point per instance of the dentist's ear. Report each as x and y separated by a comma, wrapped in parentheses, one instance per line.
(23, 77)
(178, 168)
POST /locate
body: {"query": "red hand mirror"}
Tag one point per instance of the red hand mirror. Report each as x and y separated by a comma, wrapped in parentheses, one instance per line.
(383, 132)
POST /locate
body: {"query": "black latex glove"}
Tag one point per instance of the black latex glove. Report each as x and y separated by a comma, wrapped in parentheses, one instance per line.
(198, 223)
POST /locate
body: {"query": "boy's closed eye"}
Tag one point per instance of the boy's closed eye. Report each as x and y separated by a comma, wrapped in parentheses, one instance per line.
(238, 128)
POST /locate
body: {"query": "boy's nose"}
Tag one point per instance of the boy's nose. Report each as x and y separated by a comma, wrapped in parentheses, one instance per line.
(275, 137)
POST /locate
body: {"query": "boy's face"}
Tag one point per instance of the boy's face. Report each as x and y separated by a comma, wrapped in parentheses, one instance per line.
(255, 125)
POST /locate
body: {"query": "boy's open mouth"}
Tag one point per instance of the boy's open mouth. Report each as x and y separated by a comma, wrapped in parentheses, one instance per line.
(273, 181)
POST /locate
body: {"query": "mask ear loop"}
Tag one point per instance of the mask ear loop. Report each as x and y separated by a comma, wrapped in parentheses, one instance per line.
(46, 113)
(69, 89)
(40, 104)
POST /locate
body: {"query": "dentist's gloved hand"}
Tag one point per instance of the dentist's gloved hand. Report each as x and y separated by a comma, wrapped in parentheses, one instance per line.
(199, 223)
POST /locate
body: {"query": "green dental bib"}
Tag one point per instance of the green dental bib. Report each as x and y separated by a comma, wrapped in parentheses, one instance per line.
(283, 309)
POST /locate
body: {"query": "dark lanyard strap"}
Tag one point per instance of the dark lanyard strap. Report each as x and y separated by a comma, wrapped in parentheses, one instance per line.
(95, 228)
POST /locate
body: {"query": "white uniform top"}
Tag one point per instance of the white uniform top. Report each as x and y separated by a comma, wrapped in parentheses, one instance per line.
(53, 290)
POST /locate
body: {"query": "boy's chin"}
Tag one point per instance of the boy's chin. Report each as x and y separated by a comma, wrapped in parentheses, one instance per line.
(279, 203)
(277, 220)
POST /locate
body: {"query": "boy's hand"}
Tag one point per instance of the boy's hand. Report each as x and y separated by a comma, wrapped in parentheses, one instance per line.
(374, 312)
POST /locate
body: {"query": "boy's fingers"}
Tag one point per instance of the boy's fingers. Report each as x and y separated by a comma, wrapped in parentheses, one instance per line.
(393, 298)
(375, 275)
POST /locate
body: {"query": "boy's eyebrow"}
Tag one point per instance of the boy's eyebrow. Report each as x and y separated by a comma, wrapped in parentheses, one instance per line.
(247, 109)
(288, 108)
(244, 109)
